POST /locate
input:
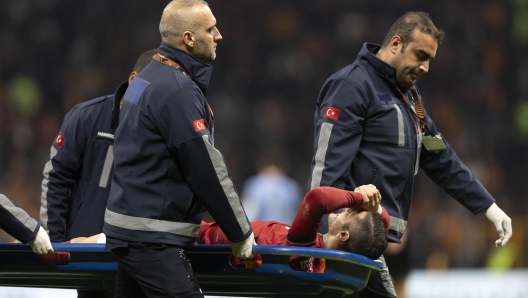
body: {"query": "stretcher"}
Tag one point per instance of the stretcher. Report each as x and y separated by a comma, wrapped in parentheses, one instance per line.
(91, 267)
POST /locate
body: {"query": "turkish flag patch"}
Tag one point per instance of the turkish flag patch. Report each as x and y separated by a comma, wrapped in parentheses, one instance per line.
(59, 140)
(332, 113)
(198, 125)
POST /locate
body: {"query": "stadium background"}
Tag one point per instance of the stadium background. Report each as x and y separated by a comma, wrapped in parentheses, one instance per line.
(274, 57)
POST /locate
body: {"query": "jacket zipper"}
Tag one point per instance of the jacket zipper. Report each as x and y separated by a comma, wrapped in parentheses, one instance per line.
(412, 170)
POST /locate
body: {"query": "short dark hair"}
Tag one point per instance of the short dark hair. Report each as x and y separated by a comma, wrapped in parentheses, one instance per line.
(367, 236)
(144, 60)
(405, 25)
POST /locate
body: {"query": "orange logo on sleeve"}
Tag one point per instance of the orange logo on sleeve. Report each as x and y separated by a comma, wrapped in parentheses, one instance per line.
(59, 140)
(332, 113)
(198, 125)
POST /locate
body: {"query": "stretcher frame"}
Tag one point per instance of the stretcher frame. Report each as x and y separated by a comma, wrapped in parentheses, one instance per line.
(91, 267)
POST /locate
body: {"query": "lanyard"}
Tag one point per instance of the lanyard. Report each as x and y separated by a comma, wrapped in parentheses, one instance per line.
(418, 105)
(417, 129)
(164, 60)
(419, 110)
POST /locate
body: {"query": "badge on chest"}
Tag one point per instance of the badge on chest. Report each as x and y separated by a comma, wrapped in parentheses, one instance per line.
(433, 143)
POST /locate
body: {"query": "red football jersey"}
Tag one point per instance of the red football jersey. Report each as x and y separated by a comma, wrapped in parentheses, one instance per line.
(303, 230)
(266, 233)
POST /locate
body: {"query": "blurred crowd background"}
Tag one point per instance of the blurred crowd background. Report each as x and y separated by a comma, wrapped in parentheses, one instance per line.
(274, 57)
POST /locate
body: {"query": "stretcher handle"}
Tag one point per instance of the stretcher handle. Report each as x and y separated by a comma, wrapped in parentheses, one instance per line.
(88, 247)
(329, 254)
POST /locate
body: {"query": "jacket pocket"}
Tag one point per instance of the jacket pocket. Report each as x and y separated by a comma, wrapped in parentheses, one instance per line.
(362, 171)
(192, 206)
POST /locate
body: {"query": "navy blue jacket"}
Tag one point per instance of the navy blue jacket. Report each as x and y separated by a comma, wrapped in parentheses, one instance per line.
(167, 171)
(366, 134)
(78, 173)
(16, 222)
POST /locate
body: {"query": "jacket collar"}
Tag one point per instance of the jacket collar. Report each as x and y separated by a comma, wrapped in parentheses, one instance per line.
(385, 70)
(199, 71)
(118, 95)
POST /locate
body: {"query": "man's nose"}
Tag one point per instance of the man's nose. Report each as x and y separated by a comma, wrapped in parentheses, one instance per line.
(424, 67)
(217, 36)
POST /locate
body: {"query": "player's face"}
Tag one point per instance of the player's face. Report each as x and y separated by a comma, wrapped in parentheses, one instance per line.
(206, 36)
(336, 221)
(414, 60)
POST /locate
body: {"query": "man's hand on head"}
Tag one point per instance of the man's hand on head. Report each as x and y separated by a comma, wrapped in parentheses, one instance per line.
(371, 197)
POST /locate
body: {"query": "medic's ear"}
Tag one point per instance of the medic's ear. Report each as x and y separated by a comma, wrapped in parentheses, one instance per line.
(395, 44)
(132, 75)
(188, 38)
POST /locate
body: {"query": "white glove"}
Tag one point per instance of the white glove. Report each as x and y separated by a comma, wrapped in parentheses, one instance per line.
(244, 249)
(41, 243)
(502, 223)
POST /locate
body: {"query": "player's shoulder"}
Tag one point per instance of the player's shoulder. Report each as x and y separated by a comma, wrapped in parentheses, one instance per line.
(356, 76)
(89, 115)
(166, 78)
(157, 83)
(351, 72)
(96, 103)
(93, 106)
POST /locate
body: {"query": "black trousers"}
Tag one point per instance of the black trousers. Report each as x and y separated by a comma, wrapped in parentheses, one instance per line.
(154, 270)
(380, 285)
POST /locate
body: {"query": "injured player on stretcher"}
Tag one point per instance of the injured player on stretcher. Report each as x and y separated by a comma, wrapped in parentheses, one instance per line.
(359, 228)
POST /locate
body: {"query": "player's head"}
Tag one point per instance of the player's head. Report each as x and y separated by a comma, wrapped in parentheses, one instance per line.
(143, 60)
(360, 232)
(189, 25)
(410, 44)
